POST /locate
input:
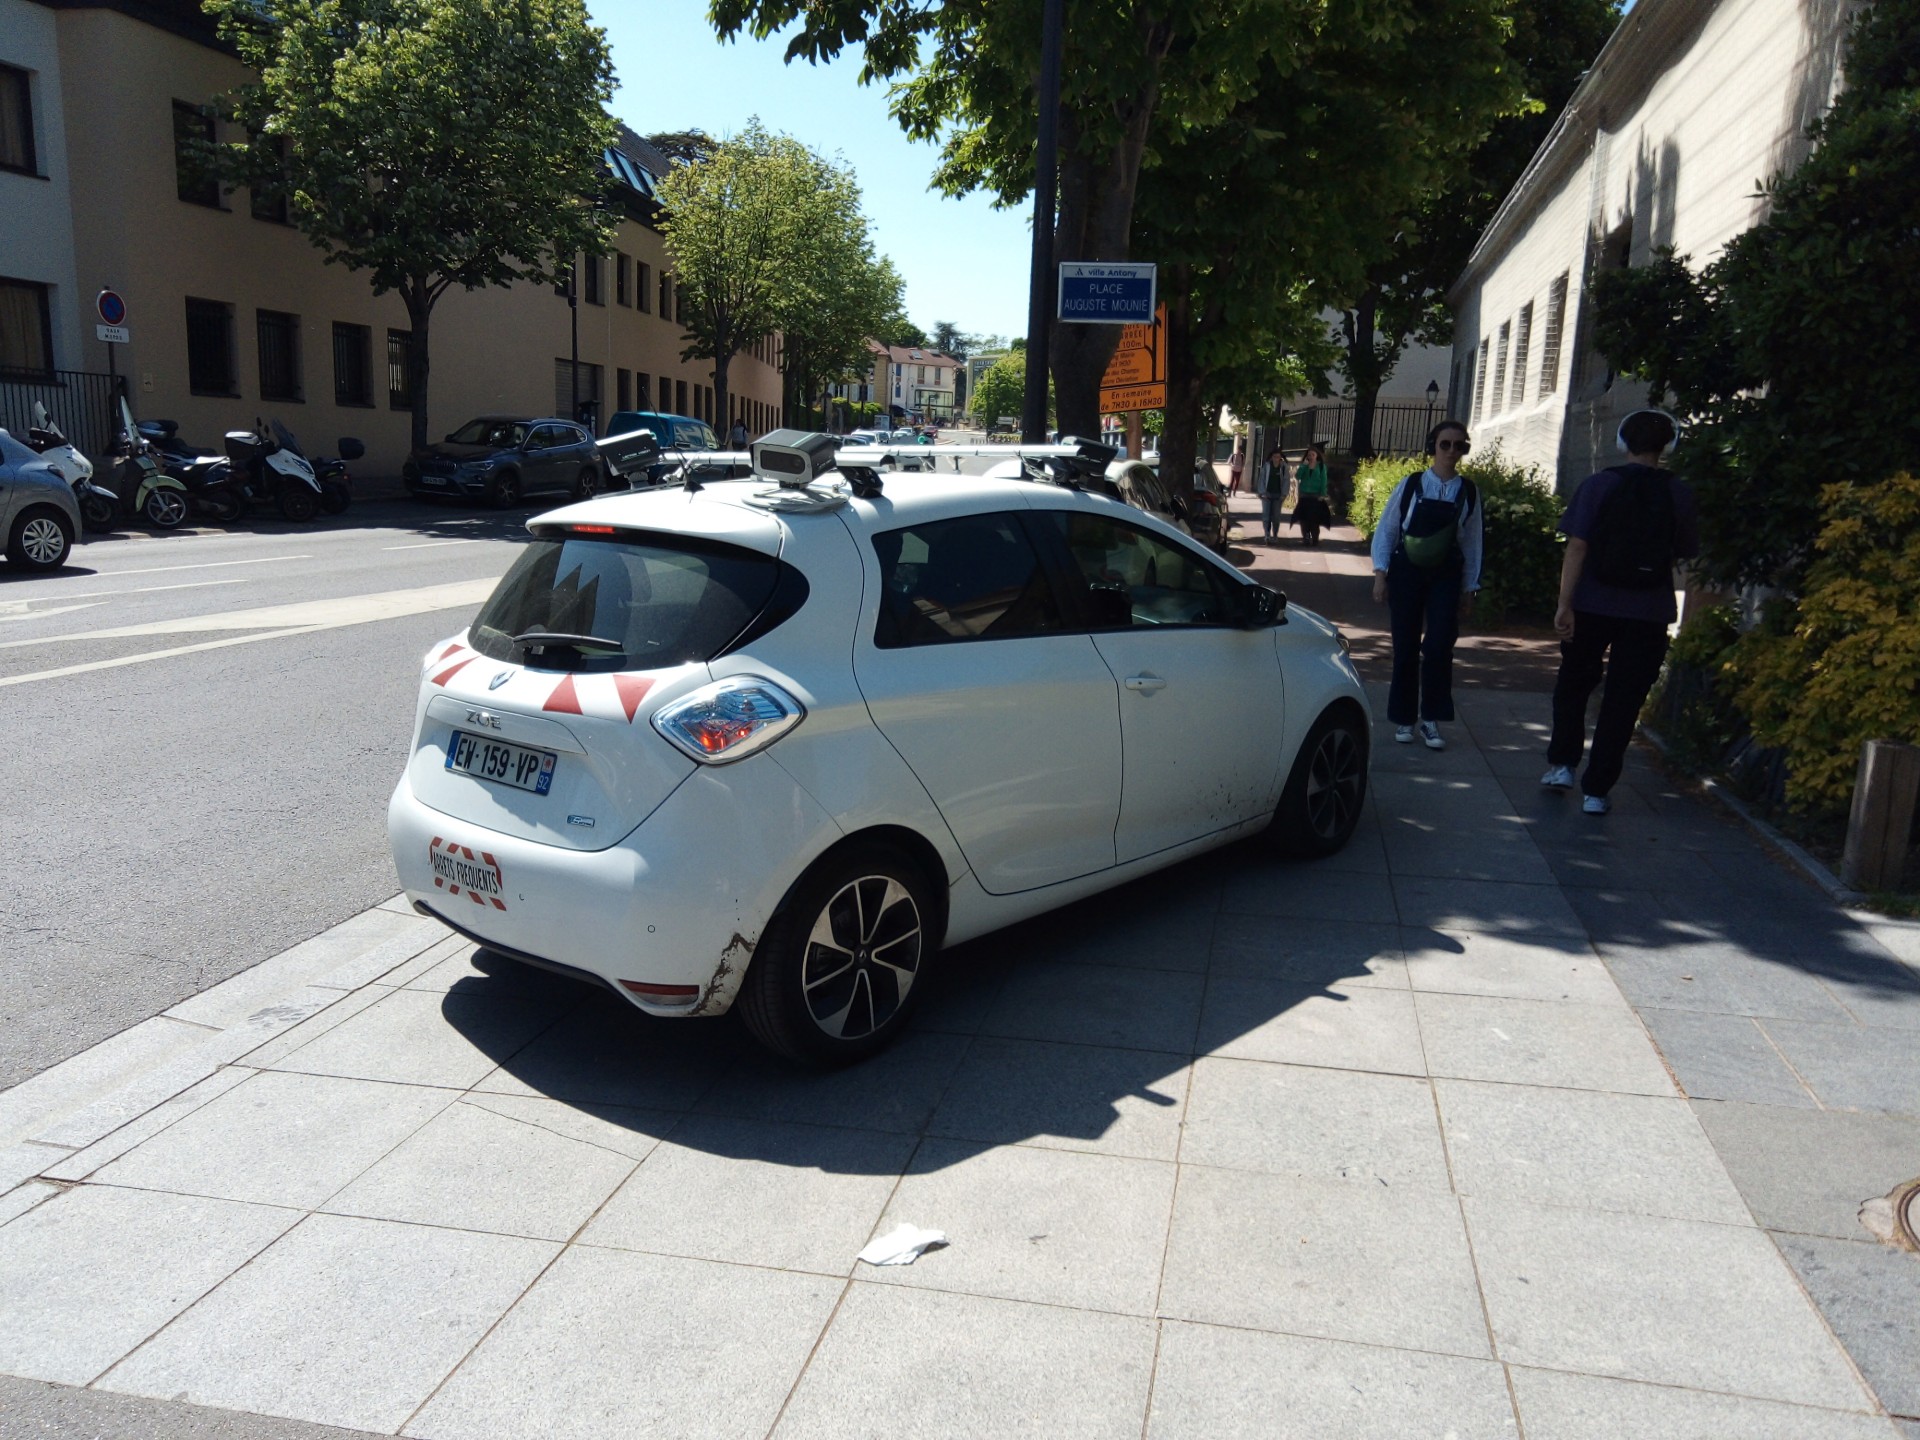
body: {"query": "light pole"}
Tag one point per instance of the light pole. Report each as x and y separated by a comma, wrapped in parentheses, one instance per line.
(1033, 419)
(1433, 398)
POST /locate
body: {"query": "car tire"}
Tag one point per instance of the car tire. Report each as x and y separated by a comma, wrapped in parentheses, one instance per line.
(164, 509)
(870, 904)
(504, 493)
(1327, 790)
(41, 540)
(587, 483)
(298, 503)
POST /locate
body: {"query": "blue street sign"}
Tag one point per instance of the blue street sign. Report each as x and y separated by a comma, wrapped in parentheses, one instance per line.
(113, 310)
(1107, 292)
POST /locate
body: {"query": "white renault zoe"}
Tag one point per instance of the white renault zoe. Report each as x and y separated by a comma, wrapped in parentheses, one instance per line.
(775, 741)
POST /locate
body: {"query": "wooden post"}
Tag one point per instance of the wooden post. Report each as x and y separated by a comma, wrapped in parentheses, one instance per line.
(1884, 793)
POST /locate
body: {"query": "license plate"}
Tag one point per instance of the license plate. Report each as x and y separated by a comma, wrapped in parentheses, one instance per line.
(500, 762)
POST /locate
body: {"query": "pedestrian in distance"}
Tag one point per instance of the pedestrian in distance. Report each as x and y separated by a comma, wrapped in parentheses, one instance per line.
(1626, 528)
(1426, 571)
(1235, 467)
(1273, 479)
(739, 434)
(1311, 511)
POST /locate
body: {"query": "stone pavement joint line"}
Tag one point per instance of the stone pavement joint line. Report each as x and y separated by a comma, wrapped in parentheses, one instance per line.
(1394, 1144)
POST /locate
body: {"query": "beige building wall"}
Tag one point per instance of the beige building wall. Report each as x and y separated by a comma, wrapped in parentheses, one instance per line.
(1688, 106)
(36, 212)
(490, 350)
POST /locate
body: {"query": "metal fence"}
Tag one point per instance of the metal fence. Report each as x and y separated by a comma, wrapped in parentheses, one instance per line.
(80, 402)
(1398, 428)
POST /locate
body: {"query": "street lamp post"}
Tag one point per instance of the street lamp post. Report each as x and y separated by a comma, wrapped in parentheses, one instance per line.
(1433, 397)
(1033, 419)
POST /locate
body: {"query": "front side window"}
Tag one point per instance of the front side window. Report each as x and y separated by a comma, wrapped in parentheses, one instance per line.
(192, 131)
(26, 329)
(973, 578)
(17, 150)
(1135, 580)
(623, 604)
(210, 367)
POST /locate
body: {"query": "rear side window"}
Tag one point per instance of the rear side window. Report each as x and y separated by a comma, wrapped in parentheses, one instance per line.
(1135, 580)
(973, 578)
(571, 603)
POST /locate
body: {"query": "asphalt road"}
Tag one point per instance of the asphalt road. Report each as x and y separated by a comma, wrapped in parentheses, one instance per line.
(219, 794)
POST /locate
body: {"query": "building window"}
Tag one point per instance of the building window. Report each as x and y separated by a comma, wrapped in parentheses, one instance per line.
(680, 394)
(679, 304)
(643, 286)
(399, 369)
(210, 369)
(270, 202)
(26, 329)
(642, 388)
(623, 280)
(278, 334)
(590, 280)
(16, 122)
(666, 296)
(1550, 342)
(192, 128)
(1522, 339)
(1500, 367)
(563, 390)
(352, 364)
(1480, 384)
(623, 389)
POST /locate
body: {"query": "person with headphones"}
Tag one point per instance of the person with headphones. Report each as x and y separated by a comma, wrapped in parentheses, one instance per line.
(1626, 527)
(1426, 570)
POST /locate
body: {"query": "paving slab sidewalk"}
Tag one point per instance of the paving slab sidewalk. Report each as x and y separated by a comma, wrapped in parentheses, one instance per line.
(1405, 1143)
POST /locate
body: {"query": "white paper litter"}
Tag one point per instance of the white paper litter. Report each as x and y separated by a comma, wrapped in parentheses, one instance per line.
(902, 1245)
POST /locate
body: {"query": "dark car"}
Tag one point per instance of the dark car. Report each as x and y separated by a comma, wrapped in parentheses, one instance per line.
(676, 435)
(504, 458)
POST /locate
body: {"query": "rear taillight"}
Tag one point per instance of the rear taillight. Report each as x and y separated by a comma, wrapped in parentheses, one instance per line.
(729, 719)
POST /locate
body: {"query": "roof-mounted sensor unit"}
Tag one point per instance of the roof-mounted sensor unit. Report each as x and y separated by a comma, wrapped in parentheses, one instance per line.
(793, 459)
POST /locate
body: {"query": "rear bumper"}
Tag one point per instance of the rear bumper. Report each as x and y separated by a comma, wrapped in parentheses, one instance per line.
(675, 909)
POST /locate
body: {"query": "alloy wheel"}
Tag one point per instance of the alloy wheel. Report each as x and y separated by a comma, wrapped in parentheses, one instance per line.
(44, 542)
(1335, 783)
(862, 957)
(166, 509)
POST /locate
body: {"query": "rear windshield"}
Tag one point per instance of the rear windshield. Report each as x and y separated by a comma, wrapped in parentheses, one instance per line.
(622, 604)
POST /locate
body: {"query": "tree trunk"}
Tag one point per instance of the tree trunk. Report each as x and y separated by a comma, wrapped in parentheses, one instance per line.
(722, 421)
(419, 299)
(1179, 431)
(1363, 371)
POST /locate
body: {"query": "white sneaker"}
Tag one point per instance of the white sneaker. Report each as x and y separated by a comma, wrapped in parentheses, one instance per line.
(1404, 734)
(1596, 805)
(1558, 777)
(1430, 732)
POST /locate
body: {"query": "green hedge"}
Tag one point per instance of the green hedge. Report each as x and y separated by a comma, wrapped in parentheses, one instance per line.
(1521, 575)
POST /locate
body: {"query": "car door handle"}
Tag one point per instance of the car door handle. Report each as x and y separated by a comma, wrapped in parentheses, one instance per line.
(1145, 682)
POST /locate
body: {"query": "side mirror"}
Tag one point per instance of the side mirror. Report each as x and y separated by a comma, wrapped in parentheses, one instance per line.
(1263, 608)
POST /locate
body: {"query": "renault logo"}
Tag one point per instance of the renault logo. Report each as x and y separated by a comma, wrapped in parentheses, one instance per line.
(500, 679)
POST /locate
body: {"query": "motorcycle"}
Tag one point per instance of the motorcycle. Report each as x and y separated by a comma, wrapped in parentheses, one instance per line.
(207, 475)
(146, 490)
(336, 485)
(99, 506)
(271, 466)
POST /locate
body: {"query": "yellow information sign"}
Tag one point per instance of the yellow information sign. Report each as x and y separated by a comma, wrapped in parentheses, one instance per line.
(1136, 377)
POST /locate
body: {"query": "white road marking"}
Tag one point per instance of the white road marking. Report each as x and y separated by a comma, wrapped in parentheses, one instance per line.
(19, 607)
(18, 611)
(431, 544)
(204, 565)
(153, 655)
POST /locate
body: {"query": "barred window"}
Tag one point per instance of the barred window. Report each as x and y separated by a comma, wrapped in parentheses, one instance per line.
(210, 367)
(352, 364)
(1550, 342)
(400, 369)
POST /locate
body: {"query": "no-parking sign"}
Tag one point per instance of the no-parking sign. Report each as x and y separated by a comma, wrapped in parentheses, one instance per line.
(113, 310)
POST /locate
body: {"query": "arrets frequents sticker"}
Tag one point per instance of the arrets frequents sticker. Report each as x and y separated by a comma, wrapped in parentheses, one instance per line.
(455, 869)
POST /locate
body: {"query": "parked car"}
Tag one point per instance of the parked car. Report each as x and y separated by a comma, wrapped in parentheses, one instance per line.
(38, 512)
(501, 459)
(670, 432)
(776, 745)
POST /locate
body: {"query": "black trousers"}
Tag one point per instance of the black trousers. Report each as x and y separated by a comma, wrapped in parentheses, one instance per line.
(1423, 609)
(1632, 652)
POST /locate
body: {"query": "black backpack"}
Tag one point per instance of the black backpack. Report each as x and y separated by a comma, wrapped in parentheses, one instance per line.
(1631, 547)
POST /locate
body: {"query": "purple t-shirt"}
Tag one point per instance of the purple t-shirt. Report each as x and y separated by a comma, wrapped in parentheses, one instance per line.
(1600, 599)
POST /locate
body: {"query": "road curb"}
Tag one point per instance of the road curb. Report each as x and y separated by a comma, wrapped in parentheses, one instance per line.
(70, 1114)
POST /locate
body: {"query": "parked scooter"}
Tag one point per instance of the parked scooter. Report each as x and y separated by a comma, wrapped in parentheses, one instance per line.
(271, 466)
(99, 506)
(336, 485)
(146, 490)
(207, 475)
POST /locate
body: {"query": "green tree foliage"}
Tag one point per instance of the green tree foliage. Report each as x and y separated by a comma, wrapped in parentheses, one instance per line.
(432, 143)
(1796, 355)
(1257, 217)
(684, 147)
(825, 342)
(1403, 299)
(1002, 390)
(766, 236)
(897, 329)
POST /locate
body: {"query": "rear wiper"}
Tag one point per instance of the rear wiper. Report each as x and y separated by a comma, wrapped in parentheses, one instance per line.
(560, 640)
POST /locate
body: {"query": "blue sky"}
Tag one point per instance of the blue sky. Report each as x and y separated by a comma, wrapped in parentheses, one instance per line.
(962, 260)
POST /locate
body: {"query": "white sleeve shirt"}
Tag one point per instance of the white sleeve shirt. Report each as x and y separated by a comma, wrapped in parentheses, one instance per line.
(1386, 535)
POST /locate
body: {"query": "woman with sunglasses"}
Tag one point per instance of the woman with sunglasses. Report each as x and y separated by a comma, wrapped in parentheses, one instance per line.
(1426, 570)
